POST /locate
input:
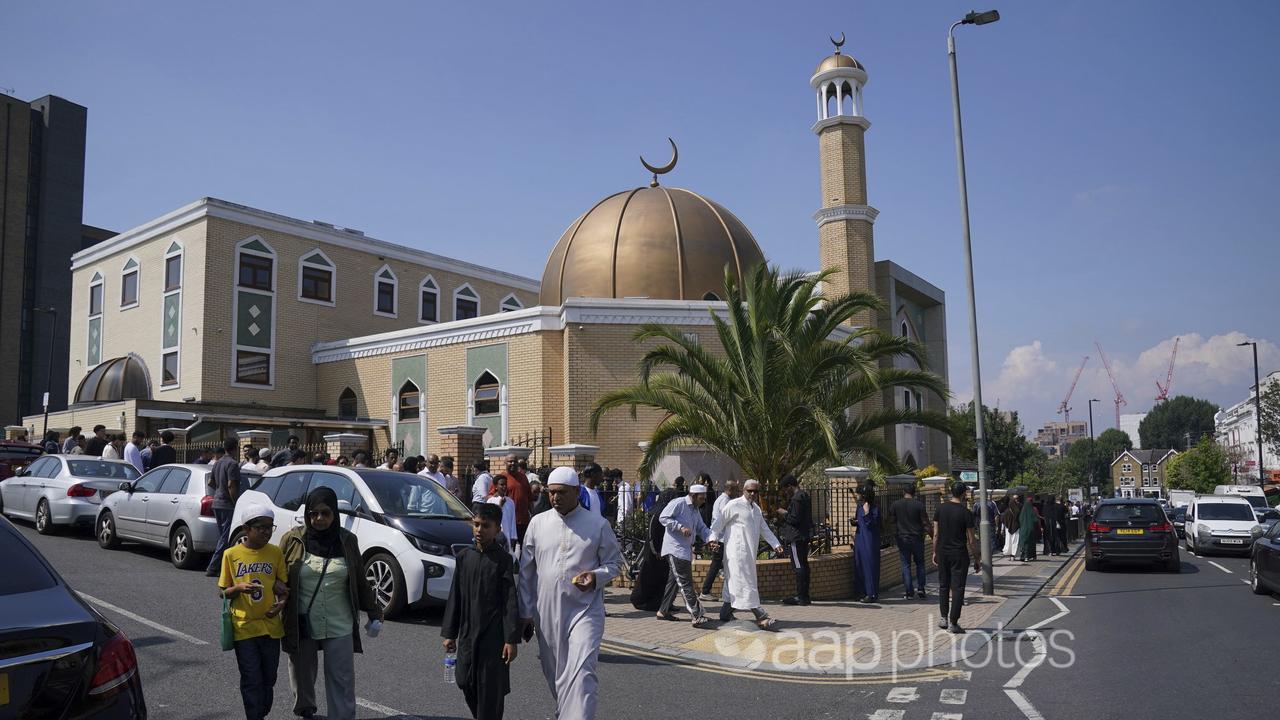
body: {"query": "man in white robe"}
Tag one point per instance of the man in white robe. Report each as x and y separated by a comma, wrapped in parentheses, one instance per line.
(738, 529)
(569, 555)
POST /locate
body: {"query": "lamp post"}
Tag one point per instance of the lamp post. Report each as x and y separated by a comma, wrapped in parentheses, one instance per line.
(1257, 409)
(1091, 402)
(988, 580)
(48, 380)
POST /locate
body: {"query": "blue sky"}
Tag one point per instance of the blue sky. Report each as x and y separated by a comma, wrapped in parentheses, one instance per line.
(1122, 156)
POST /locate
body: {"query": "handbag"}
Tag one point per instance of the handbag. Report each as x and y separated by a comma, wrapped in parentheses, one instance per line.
(304, 620)
(227, 640)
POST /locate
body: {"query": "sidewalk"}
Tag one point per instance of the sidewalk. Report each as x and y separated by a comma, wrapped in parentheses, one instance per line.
(837, 638)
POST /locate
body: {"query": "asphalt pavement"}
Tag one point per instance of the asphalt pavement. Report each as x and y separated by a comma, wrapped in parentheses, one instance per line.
(1128, 644)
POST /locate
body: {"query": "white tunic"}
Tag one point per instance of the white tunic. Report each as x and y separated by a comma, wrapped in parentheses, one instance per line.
(508, 518)
(570, 622)
(739, 528)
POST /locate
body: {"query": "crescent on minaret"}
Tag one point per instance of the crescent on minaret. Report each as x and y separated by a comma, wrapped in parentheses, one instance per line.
(664, 169)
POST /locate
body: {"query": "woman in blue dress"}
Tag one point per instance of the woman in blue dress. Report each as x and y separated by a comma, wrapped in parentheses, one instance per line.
(866, 546)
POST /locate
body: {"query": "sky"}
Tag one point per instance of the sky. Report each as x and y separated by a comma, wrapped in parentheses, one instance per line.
(1122, 157)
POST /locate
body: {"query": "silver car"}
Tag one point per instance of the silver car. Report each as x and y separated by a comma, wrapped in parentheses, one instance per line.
(63, 490)
(169, 507)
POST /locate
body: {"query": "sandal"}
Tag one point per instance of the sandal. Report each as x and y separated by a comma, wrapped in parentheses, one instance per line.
(766, 623)
(699, 622)
(665, 616)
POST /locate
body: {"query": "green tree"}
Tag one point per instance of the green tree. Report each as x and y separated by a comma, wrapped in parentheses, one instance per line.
(1092, 458)
(1171, 422)
(1201, 468)
(1008, 450)
(1270, 424)
(778, 395)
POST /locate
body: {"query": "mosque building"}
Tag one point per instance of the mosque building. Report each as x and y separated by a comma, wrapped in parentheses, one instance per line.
(217, 319)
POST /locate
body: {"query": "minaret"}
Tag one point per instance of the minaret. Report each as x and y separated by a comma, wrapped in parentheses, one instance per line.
(845, 220)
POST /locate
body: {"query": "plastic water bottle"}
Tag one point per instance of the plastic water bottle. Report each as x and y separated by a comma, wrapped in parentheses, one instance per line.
(450, 662)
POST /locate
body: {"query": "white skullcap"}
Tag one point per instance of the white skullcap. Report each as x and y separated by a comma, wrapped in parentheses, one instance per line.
(265, 453)
(563, 476)
(254, 510)
(751, 485)
(697, 489)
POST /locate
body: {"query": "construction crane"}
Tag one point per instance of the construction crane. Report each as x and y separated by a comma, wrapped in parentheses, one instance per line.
(1063, 409)
(1120, 401)
(1168, 379)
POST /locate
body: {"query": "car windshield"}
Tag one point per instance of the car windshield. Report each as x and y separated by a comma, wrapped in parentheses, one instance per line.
(1257, 501)
(1135, 512)
(1226, 511)
(102, 469)
(409, 495)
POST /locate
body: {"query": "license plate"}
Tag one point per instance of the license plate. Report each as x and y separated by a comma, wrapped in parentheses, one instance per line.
(1129, 531)
(1232, 541)
(4, 689)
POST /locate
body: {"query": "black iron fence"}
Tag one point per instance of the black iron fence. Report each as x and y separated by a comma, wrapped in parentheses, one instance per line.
(539, 444)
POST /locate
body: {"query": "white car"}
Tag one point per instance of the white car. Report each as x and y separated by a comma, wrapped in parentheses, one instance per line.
(1223, 523)
(408, 526)
(63, 490)
(1254, 494)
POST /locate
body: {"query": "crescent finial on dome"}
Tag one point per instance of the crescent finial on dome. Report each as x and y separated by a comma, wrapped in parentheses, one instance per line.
(663, 170)
(838, 43)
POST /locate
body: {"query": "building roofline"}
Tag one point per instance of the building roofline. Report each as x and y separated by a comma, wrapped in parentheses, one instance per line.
(341, 237)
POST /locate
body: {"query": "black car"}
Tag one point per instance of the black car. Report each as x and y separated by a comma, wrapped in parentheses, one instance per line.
(58, 657)
(1179, 518)
(1264, 561)
(1131, 530)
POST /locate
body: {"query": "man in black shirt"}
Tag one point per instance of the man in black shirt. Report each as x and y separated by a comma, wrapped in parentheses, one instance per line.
(797, 528)
(954, 544)
(913, 524)
(96, 443)
(164, 454)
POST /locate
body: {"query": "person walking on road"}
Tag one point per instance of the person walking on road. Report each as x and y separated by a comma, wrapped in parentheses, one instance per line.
(732, 491)
(683, 523)
(224, 486)
(866, 546)
(328, 589)
(1009, 518)
(797, 529)
(738, 529)
(569, 555)
(1027, 520)
(955, 542)
(912, 522)
(253, 576)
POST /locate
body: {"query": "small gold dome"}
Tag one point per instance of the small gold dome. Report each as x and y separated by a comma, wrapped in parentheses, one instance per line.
(838, 60)
(651, 242)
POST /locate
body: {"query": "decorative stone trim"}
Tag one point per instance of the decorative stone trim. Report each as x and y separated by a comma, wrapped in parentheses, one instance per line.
(574, 449)
(858, 120)
(345, 437)
(847, 471)
(845, 212)
(501, 451)
(461, 430)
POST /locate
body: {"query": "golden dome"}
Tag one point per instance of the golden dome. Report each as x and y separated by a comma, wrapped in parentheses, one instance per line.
(838, 60)
(653, 242)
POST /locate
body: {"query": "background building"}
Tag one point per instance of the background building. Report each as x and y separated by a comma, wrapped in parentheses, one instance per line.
(1055, 438)
(1129, 423)
(1140, 473)
(42, 148)
(1237, 430)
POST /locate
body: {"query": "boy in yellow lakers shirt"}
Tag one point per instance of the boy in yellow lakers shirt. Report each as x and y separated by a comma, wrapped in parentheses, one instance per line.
(255, 578)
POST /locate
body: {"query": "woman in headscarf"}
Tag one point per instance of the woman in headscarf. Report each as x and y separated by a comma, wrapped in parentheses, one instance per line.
(866, 546)
(1027, 531)
(1049, 525)
(1010, 518)
(327, 590)
(651, 578)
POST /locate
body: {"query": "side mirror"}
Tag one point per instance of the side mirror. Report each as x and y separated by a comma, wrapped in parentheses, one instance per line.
(344, 508)
(126, 487)
(1256, 532)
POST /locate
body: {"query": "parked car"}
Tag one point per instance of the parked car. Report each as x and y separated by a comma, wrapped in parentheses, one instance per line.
(1268, 518)
(1220, 523)
(59, 658)
(16, 455)
(1264, 561)
(169, 507)
(1131, 530)
(1254, 494)
(63, 489)
(1179, 518)
(408, 526)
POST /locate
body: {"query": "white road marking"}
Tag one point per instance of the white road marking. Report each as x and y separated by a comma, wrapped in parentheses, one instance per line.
(1037, 642)
(903, 695)
(1246, 582)
(946, 716)
(138, 618)
(390, 712)
(952, 696)
(1023, 704)
(1046, 621)
(887, 715)
(1074, 597)
(1221, 568)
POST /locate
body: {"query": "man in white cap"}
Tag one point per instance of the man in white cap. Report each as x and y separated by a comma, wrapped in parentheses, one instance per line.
(738, 529)
(683, 522)
(569, 555)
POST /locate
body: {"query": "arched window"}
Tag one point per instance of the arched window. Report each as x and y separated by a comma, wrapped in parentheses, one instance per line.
(711, 297)
(486, 395)
(510, 303)
(409, 401)
(316, 278)
(429, 300)
(385, 285)
(466, 303)
(129, 284)
(905, 333)
(347, 404)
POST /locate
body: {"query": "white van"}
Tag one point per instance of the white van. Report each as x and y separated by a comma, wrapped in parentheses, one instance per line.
(1180, 498)
(1220, 523)
(1252, 493)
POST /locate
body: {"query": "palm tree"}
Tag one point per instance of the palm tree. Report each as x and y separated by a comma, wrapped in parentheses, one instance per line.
(784, 394)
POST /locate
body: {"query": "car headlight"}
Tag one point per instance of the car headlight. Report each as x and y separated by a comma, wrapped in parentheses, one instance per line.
(1203, 531)
(427, 546)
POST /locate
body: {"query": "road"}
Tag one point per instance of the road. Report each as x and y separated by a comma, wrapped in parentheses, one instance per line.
(1141, 644)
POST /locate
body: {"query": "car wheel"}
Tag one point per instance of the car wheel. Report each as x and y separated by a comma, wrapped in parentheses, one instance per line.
(1173, 565)
(107, 537)
(1090, 564)
(44, 519)
(385, 577)
(181, 553)
(1255, 583)
(238, 538)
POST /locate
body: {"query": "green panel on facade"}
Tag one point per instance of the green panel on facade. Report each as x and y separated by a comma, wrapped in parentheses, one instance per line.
(316, 259)
(487, 357)
(131, 264)
(96, 277)
(173, 248)
(257, 246)
(95, 343)
(172, 320)
(386, 274)
(406, 369)
(253, 320)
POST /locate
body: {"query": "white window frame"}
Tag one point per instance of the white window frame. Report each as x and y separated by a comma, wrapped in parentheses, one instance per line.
(428, 284)
(395, 292)
(1127, 467)
(136, 270)
(332, 269)
(509, 300)
(177, 375)
(100, 282)
(164, 296)
(274, 294)
(475, 296)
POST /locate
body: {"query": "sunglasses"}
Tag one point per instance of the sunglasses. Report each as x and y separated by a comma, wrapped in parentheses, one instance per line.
(260, 526)
(753, 492)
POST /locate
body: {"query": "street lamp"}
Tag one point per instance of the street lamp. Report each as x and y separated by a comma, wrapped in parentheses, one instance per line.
(1091, 402)
(973, 18)
(48, 380)
(1257, 409)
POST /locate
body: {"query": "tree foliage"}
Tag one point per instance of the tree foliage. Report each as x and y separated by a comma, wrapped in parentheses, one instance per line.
(789, 387)
(1169, 423)
(1270, 422)
(1201, 468)
(1009, 452)
(1091, 459)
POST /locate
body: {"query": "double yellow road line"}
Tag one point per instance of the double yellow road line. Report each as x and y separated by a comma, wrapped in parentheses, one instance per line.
(1066, 584)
